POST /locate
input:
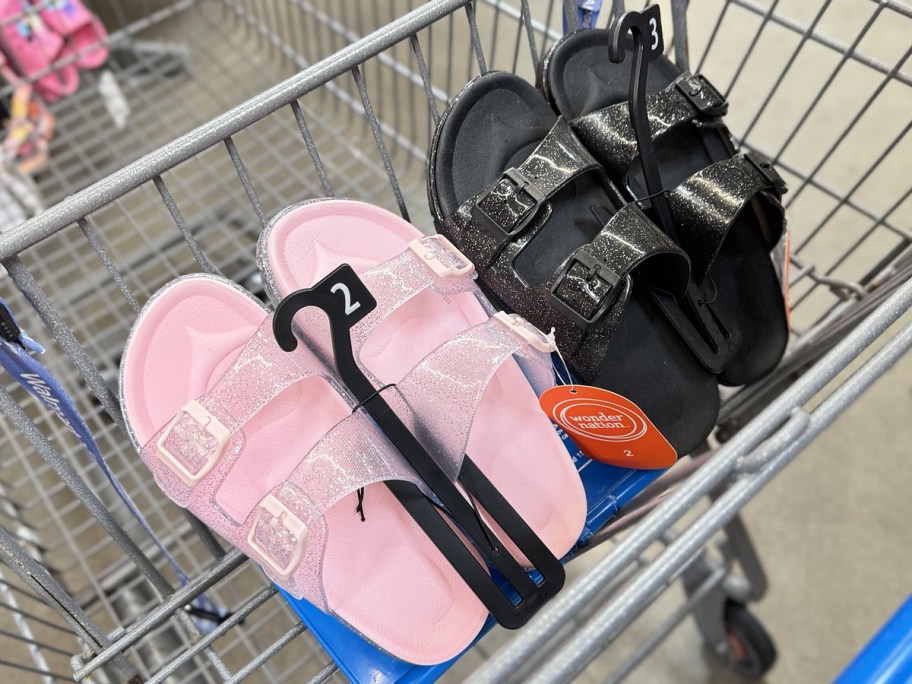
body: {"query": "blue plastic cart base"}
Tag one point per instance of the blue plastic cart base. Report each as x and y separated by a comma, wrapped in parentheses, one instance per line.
(887, 659)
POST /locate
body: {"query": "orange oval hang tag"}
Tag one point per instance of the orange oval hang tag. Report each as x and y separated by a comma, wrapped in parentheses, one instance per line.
(607, 427)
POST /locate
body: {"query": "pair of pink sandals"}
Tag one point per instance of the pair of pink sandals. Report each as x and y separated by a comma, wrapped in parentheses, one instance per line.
(47, 42)
(266, 448)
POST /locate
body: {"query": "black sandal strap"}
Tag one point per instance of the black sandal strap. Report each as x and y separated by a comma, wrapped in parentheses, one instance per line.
(490, 219)
(587, 294)
(706, 205)
(610, 136)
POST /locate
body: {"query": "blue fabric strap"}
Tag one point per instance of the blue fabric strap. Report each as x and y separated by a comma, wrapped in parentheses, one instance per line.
(16, 349)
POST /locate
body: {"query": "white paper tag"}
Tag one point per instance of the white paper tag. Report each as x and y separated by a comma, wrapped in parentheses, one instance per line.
(114, 100)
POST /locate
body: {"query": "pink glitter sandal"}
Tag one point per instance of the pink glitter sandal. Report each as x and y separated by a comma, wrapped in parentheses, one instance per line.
(476, 399)
(264, 447)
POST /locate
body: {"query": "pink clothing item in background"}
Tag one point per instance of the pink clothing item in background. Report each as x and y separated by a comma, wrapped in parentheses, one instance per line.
(32, 48)
(85, 35)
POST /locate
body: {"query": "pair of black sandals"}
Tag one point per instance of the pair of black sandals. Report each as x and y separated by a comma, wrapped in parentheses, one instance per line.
(542, 189)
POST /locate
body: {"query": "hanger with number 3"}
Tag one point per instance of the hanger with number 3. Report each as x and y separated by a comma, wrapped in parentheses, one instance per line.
(648, 44)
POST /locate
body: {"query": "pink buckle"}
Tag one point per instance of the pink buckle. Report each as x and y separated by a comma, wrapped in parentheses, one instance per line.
(209, 424)
(283, 520)
(520, 326)
(439, 255)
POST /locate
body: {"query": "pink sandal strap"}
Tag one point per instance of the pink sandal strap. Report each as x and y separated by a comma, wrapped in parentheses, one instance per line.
(430, 262)
(285, 533)
(201, 442)
(438, 398)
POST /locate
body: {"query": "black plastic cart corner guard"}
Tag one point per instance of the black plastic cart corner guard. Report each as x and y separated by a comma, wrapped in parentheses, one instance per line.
(345, 300)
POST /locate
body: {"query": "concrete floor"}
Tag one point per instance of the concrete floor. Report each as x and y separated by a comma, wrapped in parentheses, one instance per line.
(832, 532)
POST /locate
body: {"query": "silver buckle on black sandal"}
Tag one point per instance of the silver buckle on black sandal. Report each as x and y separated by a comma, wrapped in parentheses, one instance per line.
(702, 94)
(600, 288)
(509, 205)
(766, 169)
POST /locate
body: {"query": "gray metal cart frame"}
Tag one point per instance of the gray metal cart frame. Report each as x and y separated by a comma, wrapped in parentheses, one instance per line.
(357, 123)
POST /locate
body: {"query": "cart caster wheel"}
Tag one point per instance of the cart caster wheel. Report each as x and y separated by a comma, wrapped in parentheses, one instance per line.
(751, 652)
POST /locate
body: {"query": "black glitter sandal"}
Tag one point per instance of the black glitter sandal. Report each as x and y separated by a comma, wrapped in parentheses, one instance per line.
(726, 207)
(552, 239)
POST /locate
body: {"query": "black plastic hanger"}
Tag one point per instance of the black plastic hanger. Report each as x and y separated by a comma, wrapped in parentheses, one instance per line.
(706, 334)
(345, 300)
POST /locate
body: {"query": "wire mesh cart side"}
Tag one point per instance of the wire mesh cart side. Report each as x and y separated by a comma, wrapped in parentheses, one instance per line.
(358, 123)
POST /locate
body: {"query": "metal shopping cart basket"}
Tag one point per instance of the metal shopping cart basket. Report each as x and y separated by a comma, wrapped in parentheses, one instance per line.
(268, 102)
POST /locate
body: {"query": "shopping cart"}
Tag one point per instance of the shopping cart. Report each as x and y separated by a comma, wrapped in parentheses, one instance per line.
(343, 97)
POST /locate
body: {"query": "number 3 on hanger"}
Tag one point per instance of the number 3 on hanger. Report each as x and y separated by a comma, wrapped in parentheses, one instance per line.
(649, 25)
(655, 33)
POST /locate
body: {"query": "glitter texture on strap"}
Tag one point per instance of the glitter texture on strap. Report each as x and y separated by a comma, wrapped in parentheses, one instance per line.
(709, 202)
(609, 135)
(492, 218)
(205, 437)
(429, 263)
(442, 393)
(589, 290)
(285, 532)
